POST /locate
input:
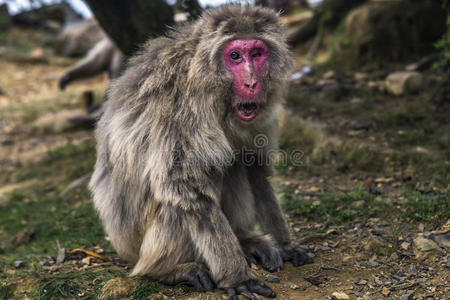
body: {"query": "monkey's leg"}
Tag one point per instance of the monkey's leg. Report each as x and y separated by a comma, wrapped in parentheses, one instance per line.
(96, 61)
(239, 208)
(167, 254)
(270, 216)
(177, 235)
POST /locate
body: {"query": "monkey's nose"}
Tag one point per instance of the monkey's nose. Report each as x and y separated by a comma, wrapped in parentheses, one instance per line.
(251, 85)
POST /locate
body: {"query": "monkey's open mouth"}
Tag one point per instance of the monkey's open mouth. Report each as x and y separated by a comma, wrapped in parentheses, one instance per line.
(246, 111)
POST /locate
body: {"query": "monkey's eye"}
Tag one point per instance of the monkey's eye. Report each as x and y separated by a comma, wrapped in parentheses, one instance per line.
(235, 56)
(256, 55)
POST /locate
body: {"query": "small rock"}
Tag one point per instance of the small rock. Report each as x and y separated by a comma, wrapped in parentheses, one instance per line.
(340, 296)
(400, 83)
(360, 125)
(408, 296)
(291, 285)
(442, 239)
(86, 261)
(324, 248)
(405, 245)
(316, 280)
(393, 257)
(373, 263)
(384, 223)
(421, 227)
(378, 232)
(413, 270)
(272, 278)
(45, 263)
(61, 256)
(361, 282)
(425, 245)
(355, 100)
(18, 264)
(385, 291)
(329, 75)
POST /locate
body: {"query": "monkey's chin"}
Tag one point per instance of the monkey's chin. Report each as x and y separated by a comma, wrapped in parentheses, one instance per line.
(246, 111)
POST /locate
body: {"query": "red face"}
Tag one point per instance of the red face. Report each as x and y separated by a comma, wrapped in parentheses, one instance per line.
(247, 62)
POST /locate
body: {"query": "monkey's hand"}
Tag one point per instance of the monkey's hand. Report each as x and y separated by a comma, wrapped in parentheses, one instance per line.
(249, 288)
(63, 81)
(264, 252)
(201, 279)
(296, 255)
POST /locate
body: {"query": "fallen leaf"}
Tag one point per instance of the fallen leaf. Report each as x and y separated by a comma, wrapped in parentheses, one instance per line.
(89, 253)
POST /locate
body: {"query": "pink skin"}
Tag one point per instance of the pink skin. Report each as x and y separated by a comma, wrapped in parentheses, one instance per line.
(247, 62)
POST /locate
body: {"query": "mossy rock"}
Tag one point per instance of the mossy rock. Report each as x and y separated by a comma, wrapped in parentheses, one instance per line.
(392, 31)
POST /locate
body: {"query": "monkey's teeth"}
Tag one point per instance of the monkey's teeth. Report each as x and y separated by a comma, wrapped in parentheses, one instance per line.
(248, 107)
(246, 111)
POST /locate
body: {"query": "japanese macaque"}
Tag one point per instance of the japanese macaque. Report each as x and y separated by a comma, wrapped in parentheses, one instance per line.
(175, 185)
(77, 38)
(103, 57)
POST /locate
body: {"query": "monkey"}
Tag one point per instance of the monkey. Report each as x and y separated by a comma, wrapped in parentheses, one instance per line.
(177, 195)
(103, 57)
(78, 37)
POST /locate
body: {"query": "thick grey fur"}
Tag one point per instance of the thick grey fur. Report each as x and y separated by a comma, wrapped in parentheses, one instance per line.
(173, 192)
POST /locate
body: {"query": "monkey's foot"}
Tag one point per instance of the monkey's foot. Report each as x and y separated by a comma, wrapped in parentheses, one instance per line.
(260, 250)
(249, 288)
(296, 255)
(201, 279)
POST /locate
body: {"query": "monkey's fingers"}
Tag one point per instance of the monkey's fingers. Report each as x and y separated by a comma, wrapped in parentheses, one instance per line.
(232, 294)
(251, 259)
(270, 259)
(260, 288)
(63, 82)
(243, 290)
(201, 280)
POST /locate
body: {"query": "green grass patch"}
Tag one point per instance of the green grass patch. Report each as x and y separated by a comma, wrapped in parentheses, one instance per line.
(143, 289)
(69, 218)
(334, 208)
(65, 163)
(18, 41)
(27, 112)
(427, 206)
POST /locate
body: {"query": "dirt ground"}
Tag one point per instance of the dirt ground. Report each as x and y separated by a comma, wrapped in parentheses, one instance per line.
(370, 200)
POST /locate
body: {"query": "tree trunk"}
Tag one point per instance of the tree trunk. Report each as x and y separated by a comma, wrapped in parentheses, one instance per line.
(130, 23)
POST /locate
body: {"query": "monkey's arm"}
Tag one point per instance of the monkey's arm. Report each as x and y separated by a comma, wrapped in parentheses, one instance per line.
(270, 215)
(96, 61)
(216, 242)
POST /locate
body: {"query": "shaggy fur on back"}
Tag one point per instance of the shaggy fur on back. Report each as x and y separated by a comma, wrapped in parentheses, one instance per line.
(167, 143)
